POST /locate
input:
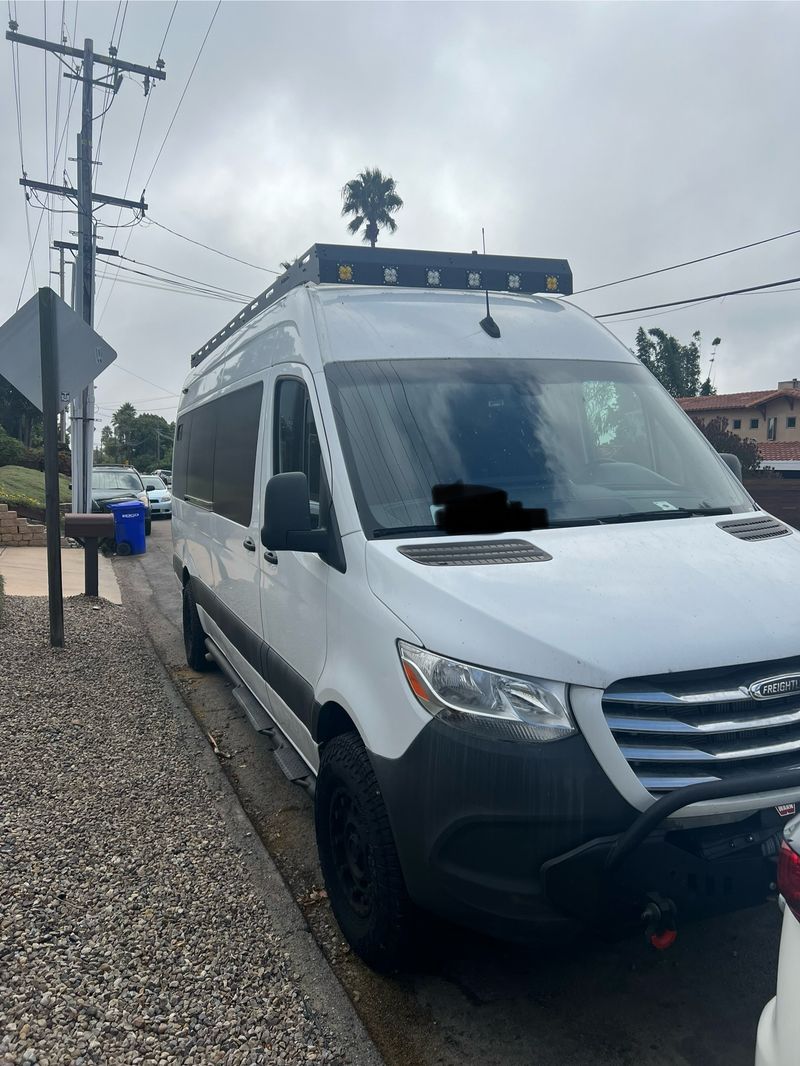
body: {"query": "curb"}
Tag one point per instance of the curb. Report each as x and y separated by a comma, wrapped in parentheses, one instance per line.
(316, 979)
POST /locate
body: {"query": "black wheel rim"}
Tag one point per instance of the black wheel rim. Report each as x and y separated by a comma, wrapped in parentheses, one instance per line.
(351, 851)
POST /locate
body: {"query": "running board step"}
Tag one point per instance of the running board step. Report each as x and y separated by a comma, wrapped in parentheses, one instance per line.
(256, 715)
(290, 763)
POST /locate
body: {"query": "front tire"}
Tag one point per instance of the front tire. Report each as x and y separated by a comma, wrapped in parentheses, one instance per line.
(148, 525)
(359, 859)
(194, 639)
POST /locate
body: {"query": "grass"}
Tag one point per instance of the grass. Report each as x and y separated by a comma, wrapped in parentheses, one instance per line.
(18, 484)
(23, 490)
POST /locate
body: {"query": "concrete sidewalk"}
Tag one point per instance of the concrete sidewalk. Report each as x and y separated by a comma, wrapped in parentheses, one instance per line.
(25, 573)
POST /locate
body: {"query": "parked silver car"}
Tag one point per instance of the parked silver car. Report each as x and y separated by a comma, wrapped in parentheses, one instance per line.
(158, 494)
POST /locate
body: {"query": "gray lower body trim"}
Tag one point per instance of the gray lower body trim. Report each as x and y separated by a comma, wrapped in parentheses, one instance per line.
(282, 678)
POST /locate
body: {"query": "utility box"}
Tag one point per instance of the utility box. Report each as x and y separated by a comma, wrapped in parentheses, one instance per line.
(129, 526)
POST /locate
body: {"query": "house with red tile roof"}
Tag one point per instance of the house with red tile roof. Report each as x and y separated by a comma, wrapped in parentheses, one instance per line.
(769, 416)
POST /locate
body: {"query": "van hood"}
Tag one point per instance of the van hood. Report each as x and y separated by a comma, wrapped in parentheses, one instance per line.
(615, 601)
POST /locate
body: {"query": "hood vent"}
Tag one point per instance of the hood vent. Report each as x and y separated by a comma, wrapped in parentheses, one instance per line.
(762, 528)
(475, 553)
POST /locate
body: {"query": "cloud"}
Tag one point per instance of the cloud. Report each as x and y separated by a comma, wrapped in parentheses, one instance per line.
(623, 137)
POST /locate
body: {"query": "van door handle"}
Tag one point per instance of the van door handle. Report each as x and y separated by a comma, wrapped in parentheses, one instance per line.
(271, 557)
(249, 543)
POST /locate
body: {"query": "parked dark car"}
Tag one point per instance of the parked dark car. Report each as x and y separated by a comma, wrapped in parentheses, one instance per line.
(111, 483)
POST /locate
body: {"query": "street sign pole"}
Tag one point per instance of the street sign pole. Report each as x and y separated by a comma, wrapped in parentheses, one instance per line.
(49, 357)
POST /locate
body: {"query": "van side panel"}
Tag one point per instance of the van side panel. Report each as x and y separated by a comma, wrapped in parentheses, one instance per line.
(362, 671)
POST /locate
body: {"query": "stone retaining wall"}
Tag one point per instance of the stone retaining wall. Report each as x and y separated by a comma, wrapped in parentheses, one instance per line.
(18, 532)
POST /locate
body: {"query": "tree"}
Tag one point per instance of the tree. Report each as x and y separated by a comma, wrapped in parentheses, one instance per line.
(676, 365)
(372, 199)
(18, 417)
(124, 423)
(716, 431)
(141, 440)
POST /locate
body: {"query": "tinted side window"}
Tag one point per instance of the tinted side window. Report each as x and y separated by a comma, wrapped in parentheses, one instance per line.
(296, 439)
(180, 454)
(238, 417)
(200, 465)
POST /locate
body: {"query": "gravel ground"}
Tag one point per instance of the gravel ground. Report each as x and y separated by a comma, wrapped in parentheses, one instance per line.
(131, 930)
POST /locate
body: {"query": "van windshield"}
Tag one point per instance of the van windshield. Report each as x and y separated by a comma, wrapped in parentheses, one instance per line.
(588, 441)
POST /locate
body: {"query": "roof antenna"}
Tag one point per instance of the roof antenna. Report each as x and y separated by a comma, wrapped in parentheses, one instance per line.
(488, 324)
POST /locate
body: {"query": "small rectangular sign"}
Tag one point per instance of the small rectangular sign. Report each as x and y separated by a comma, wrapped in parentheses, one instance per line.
(786, 809)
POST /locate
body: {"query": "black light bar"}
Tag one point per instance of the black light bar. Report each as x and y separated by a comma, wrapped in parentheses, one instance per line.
(346, 264)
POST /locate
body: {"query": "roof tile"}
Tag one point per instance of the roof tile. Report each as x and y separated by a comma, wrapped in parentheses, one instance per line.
(735, 400)
(780, 451)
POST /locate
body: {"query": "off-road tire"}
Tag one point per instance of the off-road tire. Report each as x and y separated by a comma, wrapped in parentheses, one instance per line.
(194, 639)
(359, 859)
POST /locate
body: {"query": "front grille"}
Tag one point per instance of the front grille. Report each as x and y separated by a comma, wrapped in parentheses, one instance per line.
(683, 729)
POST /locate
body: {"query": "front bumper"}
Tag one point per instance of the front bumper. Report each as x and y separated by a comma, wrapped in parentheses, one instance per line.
(515, 839)
(161, 508)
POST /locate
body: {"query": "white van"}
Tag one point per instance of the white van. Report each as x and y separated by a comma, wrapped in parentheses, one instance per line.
(506, 613)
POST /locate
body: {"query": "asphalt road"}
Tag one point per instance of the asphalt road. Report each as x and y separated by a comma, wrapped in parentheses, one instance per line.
(477, 1002)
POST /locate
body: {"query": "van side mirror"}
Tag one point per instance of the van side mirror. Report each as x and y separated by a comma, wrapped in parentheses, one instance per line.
(287, 516)
(734, 462)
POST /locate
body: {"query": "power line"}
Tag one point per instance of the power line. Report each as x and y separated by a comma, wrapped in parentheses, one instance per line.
(174, 287)
(47, 134)
(184, 277)
(183, 94)
(166, 31)
(689, 262)
(208, 247)
(199, 288)
(111, 92)
(686, 307)
(18, 103)
(133, 157)
(155, 384)
(699, 299)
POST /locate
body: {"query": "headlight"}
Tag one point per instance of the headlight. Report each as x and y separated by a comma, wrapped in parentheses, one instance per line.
(518, 708)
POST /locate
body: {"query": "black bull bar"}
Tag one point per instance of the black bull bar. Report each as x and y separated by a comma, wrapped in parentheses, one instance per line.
(699, 871)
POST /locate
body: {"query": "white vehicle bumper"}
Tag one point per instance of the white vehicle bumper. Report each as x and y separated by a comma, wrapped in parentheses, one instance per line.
(779, 1028)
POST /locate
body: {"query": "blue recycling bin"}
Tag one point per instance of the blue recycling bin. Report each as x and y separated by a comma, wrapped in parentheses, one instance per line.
(129, 526)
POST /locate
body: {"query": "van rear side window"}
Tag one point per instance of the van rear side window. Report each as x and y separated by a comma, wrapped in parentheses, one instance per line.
(216, 447)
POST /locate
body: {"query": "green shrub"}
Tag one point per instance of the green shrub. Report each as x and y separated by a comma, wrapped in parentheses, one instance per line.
(12, 451)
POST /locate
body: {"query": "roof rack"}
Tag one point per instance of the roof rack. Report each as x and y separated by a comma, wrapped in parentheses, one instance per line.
(346, 264)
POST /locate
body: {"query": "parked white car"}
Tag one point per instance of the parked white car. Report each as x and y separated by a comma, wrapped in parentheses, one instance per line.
(159, 495)
(779, 1029)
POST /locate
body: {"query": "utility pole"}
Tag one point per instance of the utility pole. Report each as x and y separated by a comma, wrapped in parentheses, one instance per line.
(62, 415)
(83, 303)
(61, 247)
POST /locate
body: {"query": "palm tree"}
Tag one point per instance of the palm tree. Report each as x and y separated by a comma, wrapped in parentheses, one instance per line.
(372, 199)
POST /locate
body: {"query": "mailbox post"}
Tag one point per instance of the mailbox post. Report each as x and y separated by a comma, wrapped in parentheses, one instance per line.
(90, 528)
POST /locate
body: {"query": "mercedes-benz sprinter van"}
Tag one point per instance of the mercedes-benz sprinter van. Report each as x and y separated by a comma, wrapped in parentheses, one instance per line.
(507, 614)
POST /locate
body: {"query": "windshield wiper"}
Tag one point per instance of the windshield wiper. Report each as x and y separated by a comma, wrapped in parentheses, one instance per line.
(678, 512)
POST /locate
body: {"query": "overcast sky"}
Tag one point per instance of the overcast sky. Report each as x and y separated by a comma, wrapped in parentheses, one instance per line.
(623, 137)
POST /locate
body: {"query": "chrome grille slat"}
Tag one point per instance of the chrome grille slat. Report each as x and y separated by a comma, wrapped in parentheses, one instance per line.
(661, 699)
(619, 723)
(642, 753)
(677, 730)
